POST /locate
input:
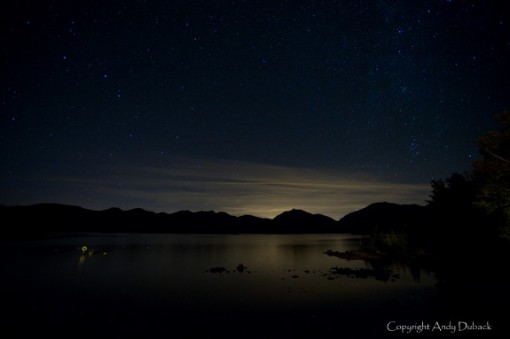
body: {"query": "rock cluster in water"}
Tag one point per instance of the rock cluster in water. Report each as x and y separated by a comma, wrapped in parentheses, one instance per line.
(363, 273)
(332, 274)
(241, 268)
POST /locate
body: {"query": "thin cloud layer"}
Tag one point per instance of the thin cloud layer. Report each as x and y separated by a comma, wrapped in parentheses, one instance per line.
(239, 188)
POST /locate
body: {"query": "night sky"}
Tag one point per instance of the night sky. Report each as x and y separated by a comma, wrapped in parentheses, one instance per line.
(245, 106)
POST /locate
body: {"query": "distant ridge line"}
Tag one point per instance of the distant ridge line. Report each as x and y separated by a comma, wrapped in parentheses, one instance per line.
(52, 217)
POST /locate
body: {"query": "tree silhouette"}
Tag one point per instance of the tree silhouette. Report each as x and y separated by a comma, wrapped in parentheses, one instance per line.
(453, 209)
(455, 192)
(491, 175)
(479, 201)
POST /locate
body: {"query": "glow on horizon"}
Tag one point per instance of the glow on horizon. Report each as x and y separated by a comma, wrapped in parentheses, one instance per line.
(238, 188)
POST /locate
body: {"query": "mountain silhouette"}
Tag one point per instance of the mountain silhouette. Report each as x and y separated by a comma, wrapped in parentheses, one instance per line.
(385, 217)
(299, 221)
(40, 219)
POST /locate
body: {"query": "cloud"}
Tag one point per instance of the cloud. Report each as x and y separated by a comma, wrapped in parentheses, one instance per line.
(240, 188)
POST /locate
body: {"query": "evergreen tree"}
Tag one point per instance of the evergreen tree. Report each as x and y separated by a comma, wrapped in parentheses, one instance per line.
(491, 175)
(479, 201)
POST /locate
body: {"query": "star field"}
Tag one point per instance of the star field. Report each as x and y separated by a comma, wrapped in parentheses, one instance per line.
(393, 90)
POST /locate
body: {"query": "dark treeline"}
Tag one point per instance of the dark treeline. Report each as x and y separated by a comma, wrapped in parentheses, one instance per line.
(463, 210)
(475, 206)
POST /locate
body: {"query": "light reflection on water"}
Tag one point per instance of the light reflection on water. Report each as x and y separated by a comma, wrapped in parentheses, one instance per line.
(159, 283)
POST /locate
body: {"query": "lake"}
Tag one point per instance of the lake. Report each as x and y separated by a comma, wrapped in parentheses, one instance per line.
(204, 286)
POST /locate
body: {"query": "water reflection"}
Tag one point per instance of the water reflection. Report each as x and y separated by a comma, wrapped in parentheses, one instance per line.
(154, 285)
(88, 252)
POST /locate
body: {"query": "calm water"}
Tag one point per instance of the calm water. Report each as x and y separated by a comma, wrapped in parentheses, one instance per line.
(160, 286)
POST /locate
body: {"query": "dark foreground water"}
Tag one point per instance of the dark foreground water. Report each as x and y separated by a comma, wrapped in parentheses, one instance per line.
(162, 286)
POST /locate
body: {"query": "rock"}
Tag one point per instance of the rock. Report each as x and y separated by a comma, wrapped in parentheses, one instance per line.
(363, 273)
(218, 270)
(240, 268)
